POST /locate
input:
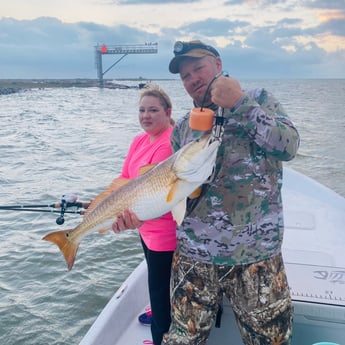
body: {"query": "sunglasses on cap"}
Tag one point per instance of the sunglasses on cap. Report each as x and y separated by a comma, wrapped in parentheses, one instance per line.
(181, 48)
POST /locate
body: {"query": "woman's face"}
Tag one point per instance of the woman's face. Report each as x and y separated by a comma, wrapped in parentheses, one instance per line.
(153, 118)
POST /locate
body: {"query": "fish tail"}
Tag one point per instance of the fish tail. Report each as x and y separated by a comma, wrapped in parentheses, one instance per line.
(67, 246)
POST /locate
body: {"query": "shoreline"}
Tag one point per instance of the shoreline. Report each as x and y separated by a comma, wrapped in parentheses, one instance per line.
(9, 86)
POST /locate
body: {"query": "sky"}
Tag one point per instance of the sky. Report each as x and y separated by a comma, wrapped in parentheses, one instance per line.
(257, 39)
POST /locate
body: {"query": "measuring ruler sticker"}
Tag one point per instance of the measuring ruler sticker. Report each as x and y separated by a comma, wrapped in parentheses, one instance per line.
(317, 284)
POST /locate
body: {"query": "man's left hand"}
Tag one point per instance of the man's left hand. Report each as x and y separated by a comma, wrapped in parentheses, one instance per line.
(226, 92)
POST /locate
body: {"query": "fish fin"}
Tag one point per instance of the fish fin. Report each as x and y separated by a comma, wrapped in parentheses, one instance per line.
(68, 248)
(172, 192)
(179, 211)
(196, 193)
(145, 168)
(115, 185)
(200, 167)
(103, 231)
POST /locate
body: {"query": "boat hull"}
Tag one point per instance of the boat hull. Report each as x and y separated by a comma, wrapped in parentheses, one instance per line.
(315, 264)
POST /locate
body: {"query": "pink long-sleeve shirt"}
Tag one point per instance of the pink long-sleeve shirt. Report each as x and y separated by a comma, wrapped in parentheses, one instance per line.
(158, 234)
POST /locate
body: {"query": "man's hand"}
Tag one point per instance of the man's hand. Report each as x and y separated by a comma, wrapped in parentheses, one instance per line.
(127, 220)
(226, 92)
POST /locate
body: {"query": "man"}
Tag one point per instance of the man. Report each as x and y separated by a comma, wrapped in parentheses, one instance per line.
(230, 241)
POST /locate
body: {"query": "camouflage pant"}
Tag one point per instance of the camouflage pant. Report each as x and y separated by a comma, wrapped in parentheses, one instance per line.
(258, 293)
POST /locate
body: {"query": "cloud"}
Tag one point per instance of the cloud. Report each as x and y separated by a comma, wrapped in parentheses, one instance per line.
(268, 59)
(148, 2)
(334, 4)
(214, 27)
(47, 47)
(332, 26)
(283, 47)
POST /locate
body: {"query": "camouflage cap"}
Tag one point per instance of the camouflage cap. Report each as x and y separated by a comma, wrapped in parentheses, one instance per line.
(194, 49)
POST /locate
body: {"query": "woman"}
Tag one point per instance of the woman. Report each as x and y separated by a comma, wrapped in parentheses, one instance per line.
(158, 236)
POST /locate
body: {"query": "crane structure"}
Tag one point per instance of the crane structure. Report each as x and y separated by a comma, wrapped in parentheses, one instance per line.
(123, 50)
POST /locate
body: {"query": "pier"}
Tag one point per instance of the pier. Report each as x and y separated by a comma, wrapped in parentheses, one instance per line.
(123, 50)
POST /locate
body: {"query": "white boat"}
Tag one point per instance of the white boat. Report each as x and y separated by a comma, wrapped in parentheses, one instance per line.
(313, 249)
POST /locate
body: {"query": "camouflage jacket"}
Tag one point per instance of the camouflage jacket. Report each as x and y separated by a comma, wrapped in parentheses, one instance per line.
(239, 218)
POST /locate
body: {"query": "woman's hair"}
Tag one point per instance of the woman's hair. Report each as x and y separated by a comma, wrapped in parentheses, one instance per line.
(156, 91)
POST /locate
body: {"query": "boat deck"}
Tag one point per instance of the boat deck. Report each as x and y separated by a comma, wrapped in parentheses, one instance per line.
(313, 251)
(319, 310)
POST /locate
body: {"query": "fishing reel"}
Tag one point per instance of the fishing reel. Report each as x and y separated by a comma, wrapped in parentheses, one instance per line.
(65, 200)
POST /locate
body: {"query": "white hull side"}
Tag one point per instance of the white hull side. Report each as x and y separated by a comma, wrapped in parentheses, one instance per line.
(313, 250)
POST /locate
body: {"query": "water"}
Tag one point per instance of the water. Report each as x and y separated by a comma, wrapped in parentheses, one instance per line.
(58, 141)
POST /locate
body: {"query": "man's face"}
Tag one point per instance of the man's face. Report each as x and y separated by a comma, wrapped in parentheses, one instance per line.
(196, 74)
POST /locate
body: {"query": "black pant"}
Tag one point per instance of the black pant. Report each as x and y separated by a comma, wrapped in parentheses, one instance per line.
(159, 267)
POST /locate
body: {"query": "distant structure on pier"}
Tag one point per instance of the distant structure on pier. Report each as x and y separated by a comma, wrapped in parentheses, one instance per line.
(124, 50)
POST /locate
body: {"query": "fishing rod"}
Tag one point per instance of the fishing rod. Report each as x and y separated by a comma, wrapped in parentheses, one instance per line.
(55, 205)
(67, 201)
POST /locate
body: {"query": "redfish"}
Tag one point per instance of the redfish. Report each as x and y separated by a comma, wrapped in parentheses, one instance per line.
(163, 188)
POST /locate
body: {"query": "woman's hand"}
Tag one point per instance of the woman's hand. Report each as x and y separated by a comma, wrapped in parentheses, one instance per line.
(127, 220)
